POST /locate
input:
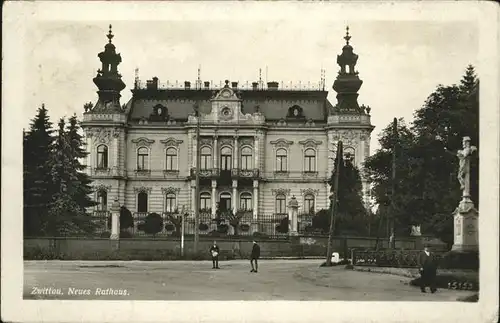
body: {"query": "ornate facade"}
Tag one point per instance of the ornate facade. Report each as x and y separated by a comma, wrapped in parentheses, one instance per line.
(259, 146)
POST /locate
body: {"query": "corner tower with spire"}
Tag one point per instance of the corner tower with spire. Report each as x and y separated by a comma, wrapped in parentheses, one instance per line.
(104, 124)
(347, 120)
(108, 80)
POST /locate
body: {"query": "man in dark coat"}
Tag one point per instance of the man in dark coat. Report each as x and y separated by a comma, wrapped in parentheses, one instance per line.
(214, 251)
(428, 270)
(254, 256)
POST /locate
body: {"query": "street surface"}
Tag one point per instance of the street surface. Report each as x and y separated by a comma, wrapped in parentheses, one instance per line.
(196, 280)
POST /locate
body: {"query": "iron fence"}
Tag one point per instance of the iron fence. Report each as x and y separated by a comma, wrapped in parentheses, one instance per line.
(388, 258)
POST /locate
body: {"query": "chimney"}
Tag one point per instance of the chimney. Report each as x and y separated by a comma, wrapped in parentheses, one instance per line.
(234, 85)
(187, 85)
(152, 84)
(207, 85)
(255, 86)
(272, 85)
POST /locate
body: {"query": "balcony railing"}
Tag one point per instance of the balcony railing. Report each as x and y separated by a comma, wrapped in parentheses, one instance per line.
(205, 173)
(244, 173)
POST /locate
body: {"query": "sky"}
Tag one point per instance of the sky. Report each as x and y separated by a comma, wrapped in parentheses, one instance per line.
(400, 62)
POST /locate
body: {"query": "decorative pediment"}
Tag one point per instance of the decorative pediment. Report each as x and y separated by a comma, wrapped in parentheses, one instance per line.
(226, 142)
(310, 143)
(142, 189)
(102, 188)
(171, 142)
(281, 143)
(280, 191)
(226, 94)
(309, 191)
(206, 142)
(247, 142)
(100, 135)
(170, 190)
(143, 141)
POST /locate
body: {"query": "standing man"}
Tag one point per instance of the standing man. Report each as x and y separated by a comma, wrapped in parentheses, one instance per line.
(428, 269)
(214, 251)
(255, 255)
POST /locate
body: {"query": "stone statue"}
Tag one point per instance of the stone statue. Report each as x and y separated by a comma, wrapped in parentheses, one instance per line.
(464, 166)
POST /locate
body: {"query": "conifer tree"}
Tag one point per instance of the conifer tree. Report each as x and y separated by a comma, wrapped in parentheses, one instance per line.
(67, 215)
(75, 140)
(350, 212)
(37, 184)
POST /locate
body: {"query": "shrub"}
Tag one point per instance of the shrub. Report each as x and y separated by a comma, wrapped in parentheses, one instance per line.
(105, 234)
(153, 224)
(245, 227)
(169, 227)
(126, 219)
(283, 226)
(203, 226)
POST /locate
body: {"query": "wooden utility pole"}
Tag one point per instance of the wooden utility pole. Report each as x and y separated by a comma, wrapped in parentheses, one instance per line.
(197, 181)
(338, 160)
(393, 182)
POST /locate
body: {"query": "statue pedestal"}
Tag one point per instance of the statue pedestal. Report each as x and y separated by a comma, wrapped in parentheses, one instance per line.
(465, 218)
(465, 251)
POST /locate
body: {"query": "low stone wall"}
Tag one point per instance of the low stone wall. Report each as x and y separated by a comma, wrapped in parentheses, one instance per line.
(299, 247)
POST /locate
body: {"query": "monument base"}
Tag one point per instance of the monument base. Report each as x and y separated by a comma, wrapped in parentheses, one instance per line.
(464, 253)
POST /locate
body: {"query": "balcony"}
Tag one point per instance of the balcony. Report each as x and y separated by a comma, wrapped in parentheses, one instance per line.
(245, 173)
(205, 173)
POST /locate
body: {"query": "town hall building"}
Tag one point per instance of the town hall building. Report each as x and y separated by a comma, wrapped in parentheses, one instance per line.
(260, 145)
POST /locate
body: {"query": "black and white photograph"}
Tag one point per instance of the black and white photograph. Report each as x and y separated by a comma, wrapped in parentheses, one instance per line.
(202, 153)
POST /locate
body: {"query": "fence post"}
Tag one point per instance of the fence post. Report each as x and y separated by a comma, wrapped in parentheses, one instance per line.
(115, 220)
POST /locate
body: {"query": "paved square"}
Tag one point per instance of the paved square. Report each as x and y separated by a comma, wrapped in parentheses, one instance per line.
(196, 280)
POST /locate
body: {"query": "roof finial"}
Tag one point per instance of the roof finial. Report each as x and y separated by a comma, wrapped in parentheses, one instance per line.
(347, 37)
(110, 34)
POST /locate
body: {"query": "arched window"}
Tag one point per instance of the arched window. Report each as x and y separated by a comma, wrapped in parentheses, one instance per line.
(246, 158)
(246, 201)
(102, 200)
(309, 203)
(142, 158)
(171, 159)
(102, 156)
(205, 201)
(206, 157)
(170, 202)
(281, 160)
(309, 160)
(226, 158)
(280, 204)
(142, 202)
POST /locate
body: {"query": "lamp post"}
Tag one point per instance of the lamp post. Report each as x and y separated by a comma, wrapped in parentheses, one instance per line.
(197, 181)
(333, 204)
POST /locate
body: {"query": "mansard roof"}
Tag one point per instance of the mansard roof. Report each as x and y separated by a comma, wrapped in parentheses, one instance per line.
(274, 104)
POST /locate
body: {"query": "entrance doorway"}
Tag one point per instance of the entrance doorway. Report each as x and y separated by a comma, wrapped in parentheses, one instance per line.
(225, 201)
